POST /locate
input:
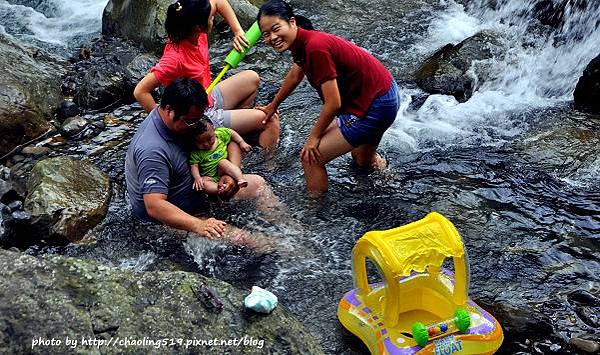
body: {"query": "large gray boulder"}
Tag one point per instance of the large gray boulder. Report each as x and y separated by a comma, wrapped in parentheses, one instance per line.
(587, 91)
(143, 21)
(450, 70)
(109, 75)
(29, 92)
(55, 297)
(66, 197)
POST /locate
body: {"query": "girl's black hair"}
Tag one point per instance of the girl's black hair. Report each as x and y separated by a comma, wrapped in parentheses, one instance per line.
(183, 15)
(283, 10)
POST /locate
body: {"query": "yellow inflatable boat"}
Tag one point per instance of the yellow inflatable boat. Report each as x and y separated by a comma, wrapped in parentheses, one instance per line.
(420, 307)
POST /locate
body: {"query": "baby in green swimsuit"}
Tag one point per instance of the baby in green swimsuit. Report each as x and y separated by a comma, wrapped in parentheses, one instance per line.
(210, 158)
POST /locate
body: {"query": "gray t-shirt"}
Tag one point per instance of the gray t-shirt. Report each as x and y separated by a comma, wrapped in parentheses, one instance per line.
(156, 162)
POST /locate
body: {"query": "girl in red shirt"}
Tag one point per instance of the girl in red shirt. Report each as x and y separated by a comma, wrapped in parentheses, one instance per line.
(186, 55)
(353, 85)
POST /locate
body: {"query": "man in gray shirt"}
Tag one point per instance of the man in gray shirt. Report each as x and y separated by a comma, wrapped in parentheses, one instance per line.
(159, 182)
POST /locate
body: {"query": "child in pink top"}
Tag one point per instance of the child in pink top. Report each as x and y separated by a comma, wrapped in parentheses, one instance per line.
(186, 55)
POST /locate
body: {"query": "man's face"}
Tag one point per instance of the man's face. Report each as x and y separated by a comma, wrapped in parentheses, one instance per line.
(185, 123)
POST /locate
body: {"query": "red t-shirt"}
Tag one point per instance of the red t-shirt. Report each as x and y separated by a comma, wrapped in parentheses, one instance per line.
(184, 60)
(360, 76)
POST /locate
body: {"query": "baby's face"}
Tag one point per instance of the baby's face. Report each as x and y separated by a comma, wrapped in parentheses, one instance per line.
(206, 140)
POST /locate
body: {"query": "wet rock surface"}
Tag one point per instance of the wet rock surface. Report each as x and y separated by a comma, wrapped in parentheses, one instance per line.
(456, 69)
(143, 21)
(83, 299)
(587, 91)
(109, 76)
(73, 126)
(66, 109)
(29, 92)
(66, 197)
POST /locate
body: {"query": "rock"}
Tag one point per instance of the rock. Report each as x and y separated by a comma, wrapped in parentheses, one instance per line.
(83, 299)
(110, 76)
(143, 21)
(9, 190)
(15, 206)
(73, 126)
(21, 217)
(66, 197)
(585, 298)
(245, 11)
(17, 158)
(35, 150)
(29, 92)
(588, 346)
(4, 210)
(587, 91)
(552, 13)
(447, 71)
(67, 109)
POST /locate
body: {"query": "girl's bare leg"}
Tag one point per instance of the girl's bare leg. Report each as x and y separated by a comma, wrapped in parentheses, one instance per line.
(239, 90)
(332, 145)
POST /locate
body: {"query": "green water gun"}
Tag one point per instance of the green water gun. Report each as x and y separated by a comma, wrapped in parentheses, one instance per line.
(234, 57)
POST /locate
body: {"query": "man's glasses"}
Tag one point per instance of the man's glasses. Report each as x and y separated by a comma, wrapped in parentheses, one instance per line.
(192, 122)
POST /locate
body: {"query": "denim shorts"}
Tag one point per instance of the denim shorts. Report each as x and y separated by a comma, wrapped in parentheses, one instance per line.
(379, 117)
(217, 113)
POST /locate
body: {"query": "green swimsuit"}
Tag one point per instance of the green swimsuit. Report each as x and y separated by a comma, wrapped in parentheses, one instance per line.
(208, 160)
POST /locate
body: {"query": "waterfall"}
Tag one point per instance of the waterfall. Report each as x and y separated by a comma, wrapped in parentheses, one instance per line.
(548, 46)
(55, 25)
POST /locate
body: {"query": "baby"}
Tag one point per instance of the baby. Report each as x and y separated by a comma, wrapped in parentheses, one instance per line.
(210, 157)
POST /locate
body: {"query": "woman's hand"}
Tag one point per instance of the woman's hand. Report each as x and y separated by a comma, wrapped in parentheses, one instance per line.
(240, 41)
(210, 228)
(310, 153)
(269, 111)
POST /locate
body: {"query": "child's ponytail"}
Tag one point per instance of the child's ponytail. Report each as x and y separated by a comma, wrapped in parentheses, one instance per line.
(303, 22)
(183, 16)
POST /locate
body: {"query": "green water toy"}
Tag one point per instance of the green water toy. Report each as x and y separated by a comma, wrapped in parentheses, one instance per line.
(234, 57)
(460, 322)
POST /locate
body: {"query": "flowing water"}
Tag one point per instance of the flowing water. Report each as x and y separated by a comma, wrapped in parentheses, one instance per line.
(514, 168)
(55, 25)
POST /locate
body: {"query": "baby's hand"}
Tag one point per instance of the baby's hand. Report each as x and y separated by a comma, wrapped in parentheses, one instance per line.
(245, 147)
(198, 184)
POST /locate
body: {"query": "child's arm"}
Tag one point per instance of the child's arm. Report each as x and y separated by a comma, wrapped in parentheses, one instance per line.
(225, 10)
(235, 137)
(198, 184)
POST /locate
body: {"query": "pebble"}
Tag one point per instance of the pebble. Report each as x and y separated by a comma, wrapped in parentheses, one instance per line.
(35, 151)
(21, 217)
(73, 126)
(588, 346)
(67, 109)
(17, 158)
(15, 206)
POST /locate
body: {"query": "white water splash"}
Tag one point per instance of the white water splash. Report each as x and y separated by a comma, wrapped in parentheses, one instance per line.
(139, 264)
(54, 22)
(540, 70)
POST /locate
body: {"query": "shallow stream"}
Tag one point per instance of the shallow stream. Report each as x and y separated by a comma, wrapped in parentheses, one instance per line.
(514, 168)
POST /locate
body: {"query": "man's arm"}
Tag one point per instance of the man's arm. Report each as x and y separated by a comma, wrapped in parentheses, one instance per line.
(164, 211)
